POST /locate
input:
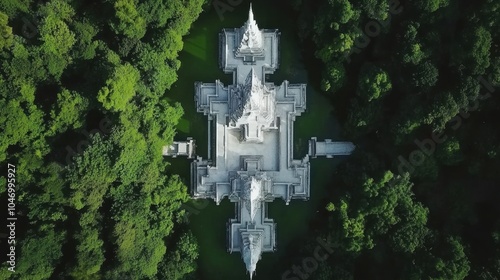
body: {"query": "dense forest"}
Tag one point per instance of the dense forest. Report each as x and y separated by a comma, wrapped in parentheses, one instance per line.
(84, 109)
(416, 86)
(83, 118)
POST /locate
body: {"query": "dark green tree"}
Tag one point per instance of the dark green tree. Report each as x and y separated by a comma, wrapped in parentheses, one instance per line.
(449, 152)
(425, 75)
(373, 82)
(120, 88)
(42, 252)
(5, 32)
(129, 21)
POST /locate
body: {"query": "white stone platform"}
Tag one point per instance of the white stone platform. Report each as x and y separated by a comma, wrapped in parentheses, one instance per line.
(329, 149)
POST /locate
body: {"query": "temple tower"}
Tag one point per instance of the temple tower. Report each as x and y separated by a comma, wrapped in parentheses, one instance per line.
(251, 39)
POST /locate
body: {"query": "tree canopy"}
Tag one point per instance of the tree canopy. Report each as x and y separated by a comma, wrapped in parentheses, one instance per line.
(415, 86)
(85, 116)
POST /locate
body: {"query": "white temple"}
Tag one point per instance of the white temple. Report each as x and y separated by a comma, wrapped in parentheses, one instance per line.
(250, 123)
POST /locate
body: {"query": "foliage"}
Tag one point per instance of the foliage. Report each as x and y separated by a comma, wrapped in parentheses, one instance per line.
(449, 152)
(474, 49)
(128, 20)
(444, 260)
(363, 117)
(442, 111)
(443, 62)
(91, 175)
(334, 79)
(373, 82)
(5, 32)
(13, 7)
(42, 252)
(425, 75)
(429, 6)
(89, 256)
(413, 51)
(377, 9)
(376, 207)
(69, 111)
(183, 259)
(85, 32)
(119, 88)
(85, 116)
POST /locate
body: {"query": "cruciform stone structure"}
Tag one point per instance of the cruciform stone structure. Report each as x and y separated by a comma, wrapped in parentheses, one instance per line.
(250, 123)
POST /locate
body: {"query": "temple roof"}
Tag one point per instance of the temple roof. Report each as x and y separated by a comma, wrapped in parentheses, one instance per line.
(253, 196)
(252, 102)
(251, 36)
(251, 251)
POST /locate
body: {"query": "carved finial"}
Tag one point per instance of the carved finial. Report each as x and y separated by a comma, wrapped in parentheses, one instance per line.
(250, 14)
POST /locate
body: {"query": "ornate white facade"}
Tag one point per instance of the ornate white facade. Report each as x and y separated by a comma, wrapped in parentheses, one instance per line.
(251, 148)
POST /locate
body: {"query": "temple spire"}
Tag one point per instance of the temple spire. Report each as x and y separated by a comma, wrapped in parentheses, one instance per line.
(251, 36)
(251, 250)
(250, 14)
